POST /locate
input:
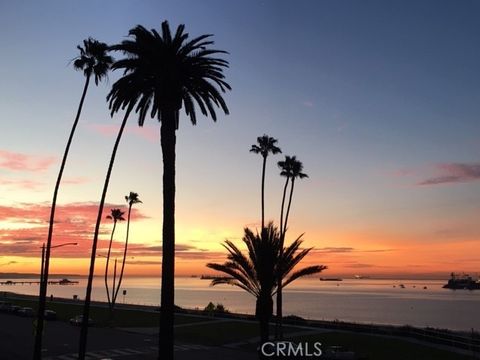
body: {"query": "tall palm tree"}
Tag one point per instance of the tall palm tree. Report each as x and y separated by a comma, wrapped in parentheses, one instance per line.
(115, 215)
(162, 74)
(265, 145)
(286, 171)
(296, 173)
(131, 199)
(291, 169)
(92, 60)
(82, 347)
(258, 271)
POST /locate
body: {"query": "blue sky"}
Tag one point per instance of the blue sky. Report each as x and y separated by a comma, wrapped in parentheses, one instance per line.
(374, 98)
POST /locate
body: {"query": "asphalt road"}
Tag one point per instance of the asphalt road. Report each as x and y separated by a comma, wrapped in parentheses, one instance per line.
(61, 343)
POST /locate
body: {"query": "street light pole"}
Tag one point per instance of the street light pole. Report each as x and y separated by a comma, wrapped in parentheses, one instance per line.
(37, 349)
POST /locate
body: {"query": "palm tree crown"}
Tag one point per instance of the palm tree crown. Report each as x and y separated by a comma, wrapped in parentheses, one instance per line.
(265, 145)
(116, 215)
(93, 59)
(296, 169)
(254, 272)
(132, 198)
(167, 72)
(263, 268)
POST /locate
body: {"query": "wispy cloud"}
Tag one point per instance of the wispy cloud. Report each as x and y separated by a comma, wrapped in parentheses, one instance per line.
(335, 250)
(359, 266)
(342, 250)
(75, 180)
(447, 173)
(14, 161)
(25, 184)
(307, 103)
(182, 251)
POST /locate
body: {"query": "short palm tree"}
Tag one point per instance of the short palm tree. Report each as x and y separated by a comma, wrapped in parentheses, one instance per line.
(94, 61)
(265, 145)
(291, 169)
(254, 272)
(131, 200)
(258, 271)
(115, 215)
(162, 74)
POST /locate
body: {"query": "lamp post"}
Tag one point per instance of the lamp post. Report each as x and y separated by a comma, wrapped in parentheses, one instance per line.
(37, 352)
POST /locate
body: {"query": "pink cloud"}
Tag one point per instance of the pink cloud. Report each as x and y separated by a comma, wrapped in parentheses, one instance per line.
(22, 184)
(307, 103)
(150, 133)
(74, 222)
(453, 173)
(24, 162)
(75, 180)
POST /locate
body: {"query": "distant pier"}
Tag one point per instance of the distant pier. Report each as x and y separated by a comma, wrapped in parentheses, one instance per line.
(36, 282)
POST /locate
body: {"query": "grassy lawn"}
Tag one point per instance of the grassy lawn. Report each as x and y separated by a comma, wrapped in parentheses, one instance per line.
(122, 317)
(220, 333)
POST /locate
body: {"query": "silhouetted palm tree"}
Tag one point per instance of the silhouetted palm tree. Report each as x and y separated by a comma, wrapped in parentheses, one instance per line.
(291, 168)
(265, 145)
(162, 74)
(254, 272)
(93, 60)
(286, 171)
(258, 271)
(131, 199)
(296, 172)
(82, 348)
(115, 215)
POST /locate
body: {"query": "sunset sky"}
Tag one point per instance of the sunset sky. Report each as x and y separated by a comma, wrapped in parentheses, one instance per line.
(380, 101)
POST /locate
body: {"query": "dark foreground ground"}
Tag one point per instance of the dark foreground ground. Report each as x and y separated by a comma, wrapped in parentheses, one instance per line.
(134, 335)
(61, 343)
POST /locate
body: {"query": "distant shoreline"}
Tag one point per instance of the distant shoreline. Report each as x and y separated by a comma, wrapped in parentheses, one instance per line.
(440, 276)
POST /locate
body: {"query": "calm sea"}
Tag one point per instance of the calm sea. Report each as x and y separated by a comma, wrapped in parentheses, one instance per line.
(365, 300)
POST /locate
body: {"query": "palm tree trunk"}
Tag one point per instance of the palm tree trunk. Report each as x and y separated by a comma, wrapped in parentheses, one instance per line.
(168, 140)
(283, 205)
(110, 315)
(278, 324)
(86, 308)
(263, 312)
(288, 208)
(263, 191)
(37, 351)
(124, 258)
(279, 327)
(106, 265)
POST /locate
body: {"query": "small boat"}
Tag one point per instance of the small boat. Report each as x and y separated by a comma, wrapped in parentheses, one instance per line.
(331, 279)
(359, 277)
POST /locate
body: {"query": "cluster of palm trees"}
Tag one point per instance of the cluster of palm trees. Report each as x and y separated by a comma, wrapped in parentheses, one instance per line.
(162, 73)
(268, 266)
(117, 215)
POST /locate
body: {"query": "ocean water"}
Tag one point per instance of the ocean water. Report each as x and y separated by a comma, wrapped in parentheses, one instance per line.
(362, 300)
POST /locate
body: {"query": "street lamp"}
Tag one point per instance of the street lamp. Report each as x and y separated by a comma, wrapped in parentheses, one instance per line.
(41, 302)
(43, 257)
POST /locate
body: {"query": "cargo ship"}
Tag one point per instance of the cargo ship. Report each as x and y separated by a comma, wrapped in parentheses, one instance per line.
(462, 282)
